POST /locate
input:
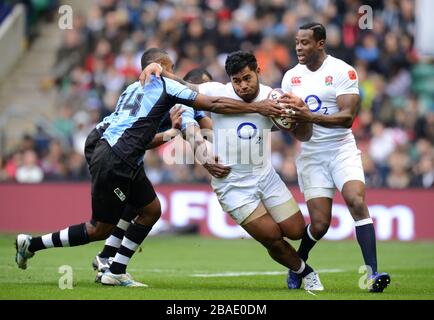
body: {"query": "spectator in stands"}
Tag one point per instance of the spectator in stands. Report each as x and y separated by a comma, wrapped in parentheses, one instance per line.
(29, 171)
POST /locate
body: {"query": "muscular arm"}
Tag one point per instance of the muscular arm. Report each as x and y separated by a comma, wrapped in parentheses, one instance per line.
(162, 137)
(205, 125)
(193, 136)
(348, 105)
(203, 153)
(172, 76)
(225, 105)
(303, 131)
(155, 68)
(222, 105)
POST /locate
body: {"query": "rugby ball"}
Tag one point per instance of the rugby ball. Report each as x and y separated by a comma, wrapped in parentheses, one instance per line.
(280, 122)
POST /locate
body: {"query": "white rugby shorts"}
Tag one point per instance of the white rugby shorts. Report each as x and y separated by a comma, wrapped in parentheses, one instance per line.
(239, 193)
(320, 173)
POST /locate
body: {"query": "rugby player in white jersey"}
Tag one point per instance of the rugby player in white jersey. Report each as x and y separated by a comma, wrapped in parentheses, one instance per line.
(252, 193)
(330, 159)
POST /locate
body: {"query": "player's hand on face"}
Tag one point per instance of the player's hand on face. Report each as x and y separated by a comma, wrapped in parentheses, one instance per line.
(270, 108)
(176, 117)
(216, 169)
(152, 68)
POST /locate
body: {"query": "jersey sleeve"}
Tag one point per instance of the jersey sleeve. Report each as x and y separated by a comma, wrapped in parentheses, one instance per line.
(212, 89)
(188, 117)
(199, 115)
(179, 93)
(348, 81)
(286, 82)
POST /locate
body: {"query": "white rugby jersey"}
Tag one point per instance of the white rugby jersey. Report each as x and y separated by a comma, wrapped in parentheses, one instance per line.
(319, 90)
(241, 141)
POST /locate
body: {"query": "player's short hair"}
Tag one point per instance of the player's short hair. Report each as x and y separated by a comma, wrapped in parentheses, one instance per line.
(196, 75)
(319, 32)
(238, 60)
(151, 55)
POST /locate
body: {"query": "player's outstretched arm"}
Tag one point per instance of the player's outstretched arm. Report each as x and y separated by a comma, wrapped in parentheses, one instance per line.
(267, 108)
(163, 137)
(203, 152)
(156, 69)
(347, 104)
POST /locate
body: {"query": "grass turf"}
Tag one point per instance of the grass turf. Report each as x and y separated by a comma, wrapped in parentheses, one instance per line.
(190, 267)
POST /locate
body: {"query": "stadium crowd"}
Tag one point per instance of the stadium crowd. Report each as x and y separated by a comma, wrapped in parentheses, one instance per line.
(101, 55)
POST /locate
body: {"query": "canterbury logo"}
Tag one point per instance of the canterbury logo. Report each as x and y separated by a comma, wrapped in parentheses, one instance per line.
(295, 81)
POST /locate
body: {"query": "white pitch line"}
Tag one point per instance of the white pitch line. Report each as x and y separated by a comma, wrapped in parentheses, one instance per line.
(310, 292)
(254, 273)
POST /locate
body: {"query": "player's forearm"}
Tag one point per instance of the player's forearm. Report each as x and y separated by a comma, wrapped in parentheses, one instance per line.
(172, 76)
(225, 105)
(340, 119)
(303, 131)
(162, 137)
(202, 150)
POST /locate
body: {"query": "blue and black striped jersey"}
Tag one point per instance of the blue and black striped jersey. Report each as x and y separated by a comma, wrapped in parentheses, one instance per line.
(139, 113)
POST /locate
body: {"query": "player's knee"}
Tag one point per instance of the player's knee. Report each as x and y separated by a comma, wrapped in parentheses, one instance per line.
(357, 207)
(319, 228)
(98, 232)
(296, 232)
(149, 214)
(273, 243)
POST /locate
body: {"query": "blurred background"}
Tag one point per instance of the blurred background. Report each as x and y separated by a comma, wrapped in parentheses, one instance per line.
(57, 83)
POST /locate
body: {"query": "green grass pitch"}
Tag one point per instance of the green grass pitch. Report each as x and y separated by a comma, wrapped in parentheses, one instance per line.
(190, 267)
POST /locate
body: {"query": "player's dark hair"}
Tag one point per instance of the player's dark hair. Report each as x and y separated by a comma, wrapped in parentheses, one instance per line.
(319, 32)
(238, 60)
(151, 55)
(196, 75)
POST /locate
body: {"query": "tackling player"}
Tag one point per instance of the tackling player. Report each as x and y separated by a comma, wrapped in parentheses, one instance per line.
(118, 178)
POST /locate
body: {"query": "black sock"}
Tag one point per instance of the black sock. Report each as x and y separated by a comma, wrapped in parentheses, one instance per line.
(366, 238)
(306, 269)
(306, 244)
(113, 242)
(69, 237)
(134, 236)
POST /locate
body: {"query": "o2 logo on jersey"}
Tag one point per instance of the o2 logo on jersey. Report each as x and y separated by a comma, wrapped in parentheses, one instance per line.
(319, 106)
(247, 130)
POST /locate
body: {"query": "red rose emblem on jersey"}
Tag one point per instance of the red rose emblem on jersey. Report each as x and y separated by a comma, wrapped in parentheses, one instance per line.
(328, 80)
(352, 75)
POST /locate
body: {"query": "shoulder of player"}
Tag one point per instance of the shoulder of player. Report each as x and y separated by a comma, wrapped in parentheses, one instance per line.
(296, 68)
(133, 86)
(339, 66)
(264, 89)
(212, 88)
